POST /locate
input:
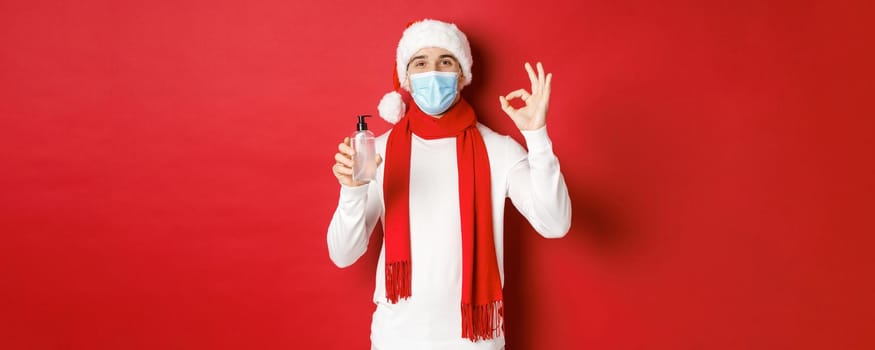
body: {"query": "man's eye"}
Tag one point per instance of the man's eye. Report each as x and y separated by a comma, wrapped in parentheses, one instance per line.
(419, 64)
(447, 63)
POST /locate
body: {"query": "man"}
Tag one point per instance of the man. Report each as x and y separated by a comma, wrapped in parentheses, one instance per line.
(440, 195)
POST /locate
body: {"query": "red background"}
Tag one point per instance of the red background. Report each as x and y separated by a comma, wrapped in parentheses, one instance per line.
(166, 177)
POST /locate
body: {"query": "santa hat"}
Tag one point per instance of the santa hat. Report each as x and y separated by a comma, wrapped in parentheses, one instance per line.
(419, 35)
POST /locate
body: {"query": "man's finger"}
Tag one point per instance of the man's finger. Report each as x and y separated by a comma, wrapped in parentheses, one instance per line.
(340, 169)
(342, 159)
(379, 159)
(521, 93)
(345, 149)
(540, 74)
(532, 78)
(506, 107)
(547, 88)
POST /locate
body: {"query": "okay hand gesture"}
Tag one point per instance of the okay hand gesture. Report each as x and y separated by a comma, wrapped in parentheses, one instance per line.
(534, 115)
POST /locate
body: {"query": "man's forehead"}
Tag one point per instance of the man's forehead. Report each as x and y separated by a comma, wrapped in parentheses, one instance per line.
(432, 52)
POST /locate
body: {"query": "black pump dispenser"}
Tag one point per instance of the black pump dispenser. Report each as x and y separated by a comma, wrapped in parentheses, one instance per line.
(361, 124)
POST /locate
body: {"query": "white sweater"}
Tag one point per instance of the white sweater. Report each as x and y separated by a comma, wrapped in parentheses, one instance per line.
(430, 318)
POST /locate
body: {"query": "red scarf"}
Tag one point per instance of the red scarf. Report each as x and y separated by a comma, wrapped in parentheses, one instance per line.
(482, 305)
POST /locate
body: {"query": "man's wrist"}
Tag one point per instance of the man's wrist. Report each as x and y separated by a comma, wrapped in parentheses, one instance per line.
(352, 192)
(537, 140)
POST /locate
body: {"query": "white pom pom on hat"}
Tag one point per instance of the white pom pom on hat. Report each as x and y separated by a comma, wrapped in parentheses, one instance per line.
(419, 35)
(392, 107)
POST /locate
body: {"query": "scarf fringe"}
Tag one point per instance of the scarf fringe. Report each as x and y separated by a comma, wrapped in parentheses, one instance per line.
(397, 281)
(481, 322)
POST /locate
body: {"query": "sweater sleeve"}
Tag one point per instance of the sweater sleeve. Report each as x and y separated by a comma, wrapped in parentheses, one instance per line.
(357, 213)
(536, 187)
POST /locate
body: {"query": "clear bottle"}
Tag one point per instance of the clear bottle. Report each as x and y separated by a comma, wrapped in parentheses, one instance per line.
(365, 159)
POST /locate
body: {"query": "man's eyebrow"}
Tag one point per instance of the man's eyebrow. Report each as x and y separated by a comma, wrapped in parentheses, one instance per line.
(425, 56)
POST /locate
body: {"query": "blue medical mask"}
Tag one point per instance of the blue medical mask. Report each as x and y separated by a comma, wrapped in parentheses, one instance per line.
(434, 91)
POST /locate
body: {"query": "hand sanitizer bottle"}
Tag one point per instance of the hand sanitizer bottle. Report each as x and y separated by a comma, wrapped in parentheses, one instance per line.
(365, 160)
